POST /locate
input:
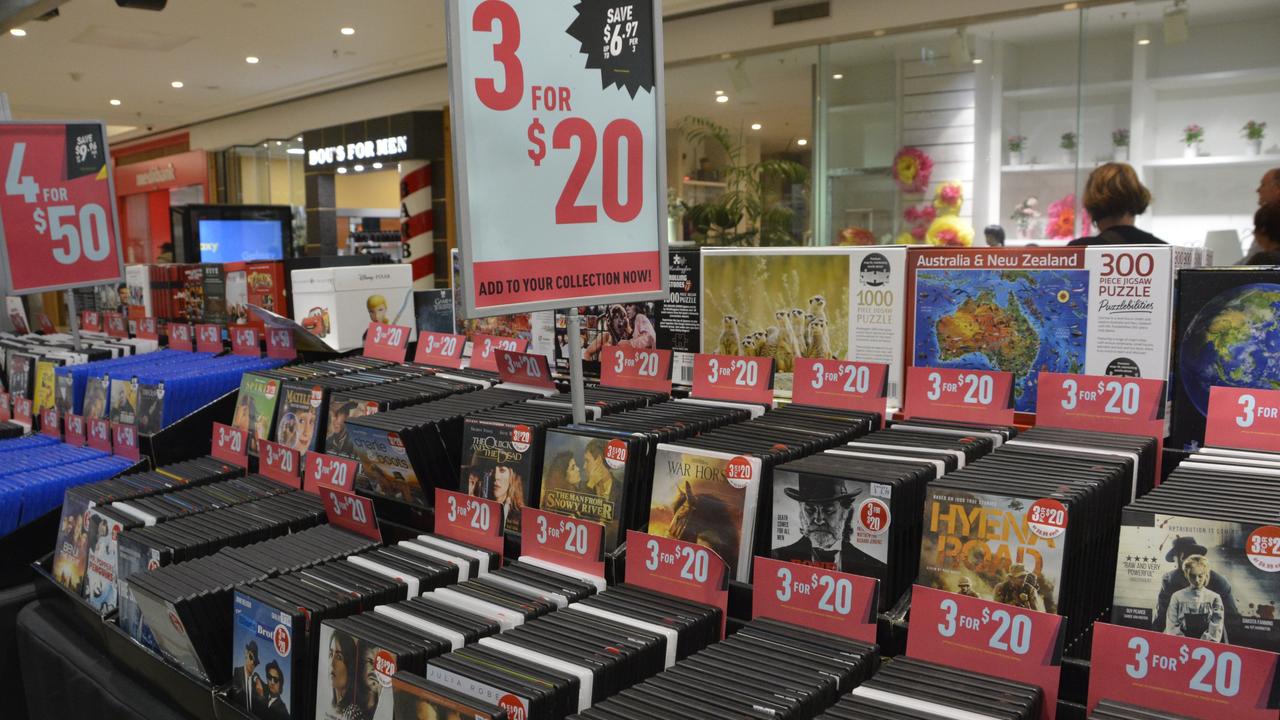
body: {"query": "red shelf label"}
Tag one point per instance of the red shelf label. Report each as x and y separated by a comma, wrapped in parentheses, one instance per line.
(677, 568)
(322, 469)
(91, 321)
(824, 600)
(280, 463)
(636, 368)
(147, 329)
(22, 412)
(1243, 418)
(469, 519)
(1184, 676)
(961, 395)
(49, 423)
(988, 637)
(99, 434)
(244, 341)
(115, 325)
(1132, 406)
(124, 438)
(350, 512)
(440, 349)
(280, 344)
(74, 434)
(562, 540)
(209, 338)
(524, 369)
(842, 385)
(230, 445)
(180, 337)
(46, 325)
(387, 342)
(733, 378)
(484, 347)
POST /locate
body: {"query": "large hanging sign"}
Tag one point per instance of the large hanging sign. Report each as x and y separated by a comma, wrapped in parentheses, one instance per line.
(559, 142)
(58, 224)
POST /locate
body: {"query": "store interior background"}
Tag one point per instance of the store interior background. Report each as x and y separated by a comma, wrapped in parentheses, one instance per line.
(837, 95)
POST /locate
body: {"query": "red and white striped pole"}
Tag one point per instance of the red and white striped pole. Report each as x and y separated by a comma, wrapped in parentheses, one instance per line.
(416, 227)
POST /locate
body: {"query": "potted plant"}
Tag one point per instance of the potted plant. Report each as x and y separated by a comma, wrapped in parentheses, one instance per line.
(1120, 145)
(750, 212)
(676, 208)
(1016, 143)
(1254, 131)
(1068, 145)
(1192, 136)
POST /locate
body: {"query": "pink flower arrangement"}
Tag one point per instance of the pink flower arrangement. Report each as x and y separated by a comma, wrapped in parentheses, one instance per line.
(912, 169)
(1061, 223)
(949, 197)
(919, 217)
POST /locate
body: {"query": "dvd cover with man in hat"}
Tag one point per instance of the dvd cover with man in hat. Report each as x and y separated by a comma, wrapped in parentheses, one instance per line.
(817, 521)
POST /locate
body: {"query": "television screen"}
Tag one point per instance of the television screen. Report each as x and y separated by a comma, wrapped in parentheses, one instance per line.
(235, 240)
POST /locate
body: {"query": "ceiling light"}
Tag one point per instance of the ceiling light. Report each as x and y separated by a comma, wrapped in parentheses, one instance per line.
(725, 56)
(1071, 6)
(18, 32)
(342, 171)
(802, 142)
(177, 84)
(838, 76)
(722, 99)
(299, 138)
(359, 168)
(719, 92)
(348, 31)
(296, 151)
(278, 143)
(377, 166)
(252, 60)
(756, 126)
(1176, 26)
(114, 102)
(977, 61)
(1143, 35)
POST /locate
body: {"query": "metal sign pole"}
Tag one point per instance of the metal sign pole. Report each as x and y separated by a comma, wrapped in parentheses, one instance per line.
(575, 367)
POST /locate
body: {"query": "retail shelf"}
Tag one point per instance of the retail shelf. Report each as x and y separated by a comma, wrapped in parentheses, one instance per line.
(1215, 79)
(865, 107)
(1039, 168)
(706, 184)
(1068, 92)
(875, 171)
(1214, 161)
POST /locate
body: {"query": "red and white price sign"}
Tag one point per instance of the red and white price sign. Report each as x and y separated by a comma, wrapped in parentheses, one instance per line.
(147, 329)
(280, 344)
(733, 378)
(6, 407)
(842, 385)
(1132, 406)
(636, 368)
(469, 519)
(244, 340)
(58, 226)
(484, 350)
(49, 423)
(230, 445)
(962, 395)
(824, 600)
(124, 440)
(562, 540)
(46, 325)
(180, 337)
(677, 568)
(387, 342)
(988, 637)
(350, 512)
(521, 368)
(440, 349)
(209, 338)
(1243, 418)
(116, 326)
(91, 321)
(74, 433)
(322, 469)
(1180, 675)
(281, 463)
(559, 145)
(22, 413)
(99, 434)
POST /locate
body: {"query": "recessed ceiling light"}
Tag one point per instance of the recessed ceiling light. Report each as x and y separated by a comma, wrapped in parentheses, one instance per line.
(725, 56)
(377, 166)
(977, 61)
(176, 84)
(18, 32)
(802, 142)
(114, 101)
(359, 168)
(756, 126)
(1071, 6)
(838, 76)
(722, 99)
(719, 93)
(348, 31)
(278, 143)
(252, 59)
(1145, 41)
(296, 151)
(342, 171)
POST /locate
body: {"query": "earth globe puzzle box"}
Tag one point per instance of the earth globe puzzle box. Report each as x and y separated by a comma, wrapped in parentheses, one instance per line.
(1227, 332)
(1103, 310)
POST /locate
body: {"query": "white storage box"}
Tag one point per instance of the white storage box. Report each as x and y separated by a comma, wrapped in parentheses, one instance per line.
(337, 304)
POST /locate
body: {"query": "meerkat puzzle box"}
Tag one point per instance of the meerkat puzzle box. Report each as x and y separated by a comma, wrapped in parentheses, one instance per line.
(337, 304)
(838, 303)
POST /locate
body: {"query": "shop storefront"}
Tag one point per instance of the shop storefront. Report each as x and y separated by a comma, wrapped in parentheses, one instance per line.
(147, 190)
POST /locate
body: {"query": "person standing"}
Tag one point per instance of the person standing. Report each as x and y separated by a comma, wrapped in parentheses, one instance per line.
(1266, 236)
(1114, 197)
(1269, 188)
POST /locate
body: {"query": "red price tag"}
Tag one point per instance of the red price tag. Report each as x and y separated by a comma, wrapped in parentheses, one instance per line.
(960, 395)
(244, 341)
(280, 344)
(483, 349)
(46, 325)
(521, 368)
(147, 329)
(824, 600)
(1243, 418)
(350, 512)
(387, 342)
(733, 378)
(677, 568)
(91, 321)
(1180, 675)
(58, 209)
(6, 407)
(230, 445)
(125, 440)
(19, 323)
(22, 413)
(439, 349)
(115, 325)
(74, 432)
(180, 337)
(842, 385)
(629, 367)
(469, 519)
(1132, 406)
(329, 470)
(562, 540)
(100, 434)
(209, 338)
(281, 463)
(49, 423)
(988, 637)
